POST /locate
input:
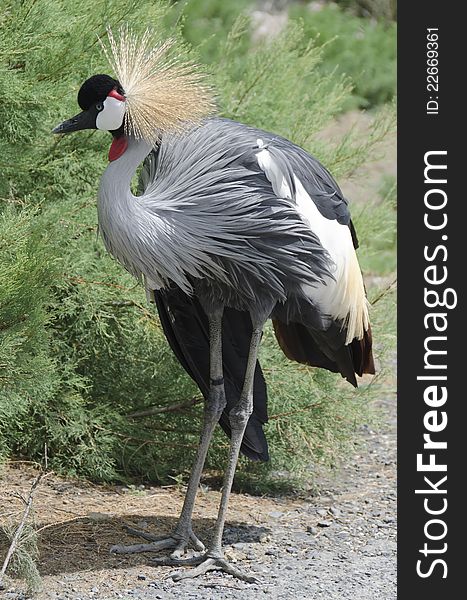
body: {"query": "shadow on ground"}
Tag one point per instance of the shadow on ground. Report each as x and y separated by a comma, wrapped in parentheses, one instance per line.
(83, 544)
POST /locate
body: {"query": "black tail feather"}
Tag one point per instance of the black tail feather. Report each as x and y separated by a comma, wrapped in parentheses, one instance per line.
(186, 328)
(326, 349)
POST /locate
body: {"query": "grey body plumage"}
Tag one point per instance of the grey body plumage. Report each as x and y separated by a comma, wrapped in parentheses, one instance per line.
(209, 220)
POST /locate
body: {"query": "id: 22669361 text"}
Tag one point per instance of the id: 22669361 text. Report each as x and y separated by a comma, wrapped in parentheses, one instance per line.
(432, 71)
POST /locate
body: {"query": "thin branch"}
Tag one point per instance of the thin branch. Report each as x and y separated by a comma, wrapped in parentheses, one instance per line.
(123, 303)
(383, 293)
(296, 411)
(75, 279)
(120, 303)
(17, 536)
(157, 410)
(132, 438)
(61, 523)
(115, 303)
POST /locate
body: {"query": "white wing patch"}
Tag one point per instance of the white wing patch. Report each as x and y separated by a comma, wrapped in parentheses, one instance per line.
(343, 297)
(273, 173)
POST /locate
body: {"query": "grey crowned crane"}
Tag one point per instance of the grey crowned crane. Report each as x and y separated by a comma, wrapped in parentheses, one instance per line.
(233, 226)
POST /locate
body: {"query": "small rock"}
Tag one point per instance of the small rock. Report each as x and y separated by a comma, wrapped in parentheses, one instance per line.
(97, 516)
(321, 512)
(335, 511)
(324, 524)
(141, 577)
(381, 525)
(233, 556)
(291, 550)
(239, 546)
(276, 514)
(312, 530)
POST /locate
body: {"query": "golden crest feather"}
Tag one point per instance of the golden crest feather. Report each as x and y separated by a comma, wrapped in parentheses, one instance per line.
(164, 91)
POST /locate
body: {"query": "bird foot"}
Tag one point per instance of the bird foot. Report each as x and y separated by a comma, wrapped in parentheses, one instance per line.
(202, 563)
(179, 543)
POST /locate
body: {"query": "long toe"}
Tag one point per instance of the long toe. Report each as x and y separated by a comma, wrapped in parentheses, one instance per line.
(214, 564)
(203, 564)
(179, 543)
(183, 544)
(207, 565)
(152, 547)
(231, 570)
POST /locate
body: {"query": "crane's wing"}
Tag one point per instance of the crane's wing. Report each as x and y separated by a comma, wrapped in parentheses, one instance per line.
(345, 346)
(187, 331)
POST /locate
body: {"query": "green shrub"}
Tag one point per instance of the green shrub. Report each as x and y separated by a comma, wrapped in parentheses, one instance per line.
(362, 49)
(383, 10)
(79, 348)
(27, 373)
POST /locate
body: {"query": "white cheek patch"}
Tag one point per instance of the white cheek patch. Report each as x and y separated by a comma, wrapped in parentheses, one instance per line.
(111, 116)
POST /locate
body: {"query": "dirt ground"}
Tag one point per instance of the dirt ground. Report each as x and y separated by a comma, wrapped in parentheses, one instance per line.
(337, 545)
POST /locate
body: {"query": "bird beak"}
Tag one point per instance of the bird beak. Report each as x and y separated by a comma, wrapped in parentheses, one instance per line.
(84, 120)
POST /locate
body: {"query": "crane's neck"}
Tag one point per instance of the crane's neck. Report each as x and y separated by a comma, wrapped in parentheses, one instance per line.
(119, 212)
(139, 230)
(120, 171)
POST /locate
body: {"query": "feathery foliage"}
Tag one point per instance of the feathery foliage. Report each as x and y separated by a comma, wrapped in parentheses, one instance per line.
(363, 49)
(80, 350)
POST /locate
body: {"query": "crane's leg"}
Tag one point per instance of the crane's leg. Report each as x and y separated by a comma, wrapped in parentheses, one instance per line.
(183, 534)
(214, 559)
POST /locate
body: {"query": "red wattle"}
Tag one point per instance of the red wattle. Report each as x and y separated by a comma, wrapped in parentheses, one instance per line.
(118, 147)
(116, 95)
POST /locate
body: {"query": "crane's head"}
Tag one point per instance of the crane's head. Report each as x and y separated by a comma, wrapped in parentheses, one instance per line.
(157, 89)
(102, 101)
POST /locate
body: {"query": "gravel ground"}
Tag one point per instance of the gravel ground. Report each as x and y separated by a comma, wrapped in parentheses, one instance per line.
(339, 544)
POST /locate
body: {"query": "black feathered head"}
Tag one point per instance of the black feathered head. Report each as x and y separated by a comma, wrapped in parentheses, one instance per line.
(103, 104)
(96, 89)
